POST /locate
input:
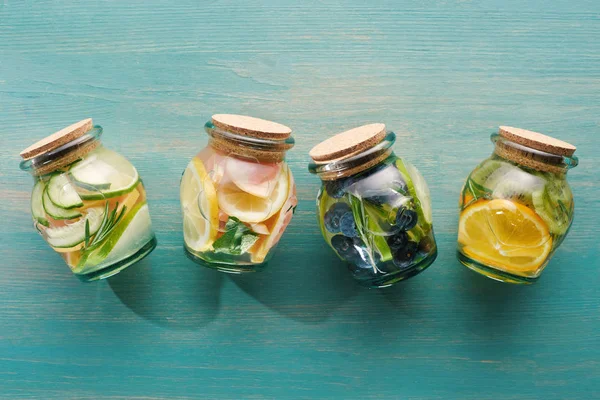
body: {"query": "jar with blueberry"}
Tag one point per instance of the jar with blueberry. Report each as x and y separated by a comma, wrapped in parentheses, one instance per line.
(374, 208)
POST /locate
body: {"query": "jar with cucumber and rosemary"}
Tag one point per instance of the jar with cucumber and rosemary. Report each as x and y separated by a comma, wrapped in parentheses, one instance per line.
(88, 202)
(516, 207)
(374, 208)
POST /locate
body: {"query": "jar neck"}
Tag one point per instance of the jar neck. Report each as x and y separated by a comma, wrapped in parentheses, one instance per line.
(355, 163)
(247, 147)
(532, 158)
(64, 155)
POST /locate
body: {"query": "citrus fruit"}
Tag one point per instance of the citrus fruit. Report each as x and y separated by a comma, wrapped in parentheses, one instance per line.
(214, 163)
(277, 223)
(504, 234)
(200, 207)
(260, 228)
(252, 177)
(251, 209)
(102, 175)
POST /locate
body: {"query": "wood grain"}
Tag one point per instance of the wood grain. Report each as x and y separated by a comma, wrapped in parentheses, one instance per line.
(443, 76)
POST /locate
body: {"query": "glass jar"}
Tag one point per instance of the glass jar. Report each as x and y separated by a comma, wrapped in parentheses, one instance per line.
(88, 202)
(516, 207)
(238, 194)
(374, 208)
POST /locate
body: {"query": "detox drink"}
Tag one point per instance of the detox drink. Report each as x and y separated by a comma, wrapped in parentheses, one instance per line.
(93, 210)
(516, 208)
(374, 208)
(237, 194)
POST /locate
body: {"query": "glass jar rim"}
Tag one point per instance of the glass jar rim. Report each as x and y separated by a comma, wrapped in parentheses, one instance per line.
(554, 161)
(54, 154)
(356, 163)
(261, 144)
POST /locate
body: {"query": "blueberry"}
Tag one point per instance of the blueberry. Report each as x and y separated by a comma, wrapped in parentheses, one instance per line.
(332, 217)
(406, 219)
(397, 241)
(347, 225)
(403, 258)
(332, 222)
(337, 188)
(344, 247)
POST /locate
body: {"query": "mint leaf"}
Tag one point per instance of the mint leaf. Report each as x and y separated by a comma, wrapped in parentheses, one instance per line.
(237, 239)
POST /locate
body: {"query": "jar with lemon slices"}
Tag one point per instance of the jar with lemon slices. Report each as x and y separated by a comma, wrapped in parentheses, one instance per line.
(88, 202)
(516, 207)
(374, 208)
(238, 194)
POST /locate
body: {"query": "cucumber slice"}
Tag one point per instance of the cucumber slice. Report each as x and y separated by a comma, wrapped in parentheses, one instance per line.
(133, 232)
(55, 211)
(421, 189)
(62, 193)
(37, 204)
(73, 234)
(417, 188)
(104, 174)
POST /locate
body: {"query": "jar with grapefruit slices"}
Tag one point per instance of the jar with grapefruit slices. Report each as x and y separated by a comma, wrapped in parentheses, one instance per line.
(516, 207)
(88, 202)
(238, 194)
(374, 208)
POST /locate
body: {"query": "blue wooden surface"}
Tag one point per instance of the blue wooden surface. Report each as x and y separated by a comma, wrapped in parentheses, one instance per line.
(443, 76)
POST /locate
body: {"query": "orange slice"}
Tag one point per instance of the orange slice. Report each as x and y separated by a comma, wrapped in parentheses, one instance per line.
(506, 235)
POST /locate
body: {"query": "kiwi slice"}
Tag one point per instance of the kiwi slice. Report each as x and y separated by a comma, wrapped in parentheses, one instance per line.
(555, 204)
(554, 212)
(489, 173)
(558, 188)
(561, 192)
(518, 185)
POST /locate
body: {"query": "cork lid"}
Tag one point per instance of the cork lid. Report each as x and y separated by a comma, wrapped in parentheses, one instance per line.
(250, 126)
(537, 141)
(348, 143)
(57, 139)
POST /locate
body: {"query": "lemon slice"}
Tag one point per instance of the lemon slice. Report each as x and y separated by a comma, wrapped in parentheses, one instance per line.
(200, 207)
(276, 224)
(251, 209)
(506, 235)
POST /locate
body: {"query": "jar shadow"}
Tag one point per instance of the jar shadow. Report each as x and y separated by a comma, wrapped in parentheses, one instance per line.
(490, 300)
(378, 314)
(306, 286)
(179, 294)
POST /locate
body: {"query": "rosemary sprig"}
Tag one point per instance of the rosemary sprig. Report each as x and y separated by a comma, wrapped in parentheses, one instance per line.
(113, 221)
(87, 232)
(109, 221)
